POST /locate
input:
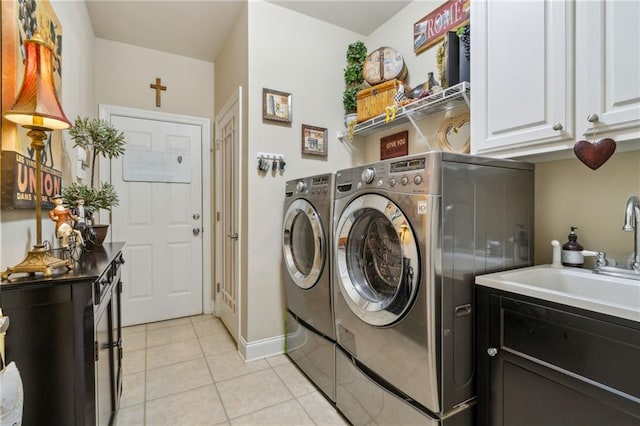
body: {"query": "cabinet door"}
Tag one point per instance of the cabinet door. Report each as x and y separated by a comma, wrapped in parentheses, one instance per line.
(51, 328)
(104, 368)
(522, 67)
(541, 365)
(608, 69)
(116, 332)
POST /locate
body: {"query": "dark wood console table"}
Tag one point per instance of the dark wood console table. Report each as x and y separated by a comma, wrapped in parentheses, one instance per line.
(65, 338)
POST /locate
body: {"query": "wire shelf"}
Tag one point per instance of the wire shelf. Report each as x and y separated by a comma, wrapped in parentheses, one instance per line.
(449, 98)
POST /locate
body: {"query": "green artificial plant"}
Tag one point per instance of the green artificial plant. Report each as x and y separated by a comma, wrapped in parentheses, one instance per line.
(100, 138)
(94, 199)
(353, 76)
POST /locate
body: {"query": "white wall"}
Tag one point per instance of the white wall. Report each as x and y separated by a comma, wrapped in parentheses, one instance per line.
(397, 32)
(18, 226)
(292, 53)
(124, 72)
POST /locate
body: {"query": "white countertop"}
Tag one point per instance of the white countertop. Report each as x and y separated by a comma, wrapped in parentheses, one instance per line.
(580, 288)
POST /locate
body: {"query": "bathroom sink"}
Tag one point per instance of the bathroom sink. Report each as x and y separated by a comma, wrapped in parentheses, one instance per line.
(580, 288)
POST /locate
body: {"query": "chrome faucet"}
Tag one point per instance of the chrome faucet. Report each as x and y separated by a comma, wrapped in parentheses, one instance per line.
(631, 223)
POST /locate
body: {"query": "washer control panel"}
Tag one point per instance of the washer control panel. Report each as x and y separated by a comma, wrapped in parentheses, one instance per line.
(417, 174)
(368, 174)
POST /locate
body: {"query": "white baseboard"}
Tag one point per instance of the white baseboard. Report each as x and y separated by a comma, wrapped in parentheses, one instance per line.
(251, 351)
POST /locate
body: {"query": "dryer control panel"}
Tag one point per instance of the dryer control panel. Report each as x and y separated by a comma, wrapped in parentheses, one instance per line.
(312, 187)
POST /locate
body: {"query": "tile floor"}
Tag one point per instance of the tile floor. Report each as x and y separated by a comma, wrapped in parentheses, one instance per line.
(188, 372)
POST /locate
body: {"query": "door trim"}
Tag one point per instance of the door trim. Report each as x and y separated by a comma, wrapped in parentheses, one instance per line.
(235, 97)
(106, 111)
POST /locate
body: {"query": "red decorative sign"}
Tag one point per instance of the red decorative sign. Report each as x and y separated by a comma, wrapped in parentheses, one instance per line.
(432, 28)
(395, 145)
(19, 182)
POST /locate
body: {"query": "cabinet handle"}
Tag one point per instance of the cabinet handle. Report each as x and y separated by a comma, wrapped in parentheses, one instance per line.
(557, 126)
(593, 117)
(492, 351)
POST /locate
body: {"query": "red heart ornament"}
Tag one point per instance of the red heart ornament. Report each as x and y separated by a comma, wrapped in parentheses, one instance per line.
(594, 154)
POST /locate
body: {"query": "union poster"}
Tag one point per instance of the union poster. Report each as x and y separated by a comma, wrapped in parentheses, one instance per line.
(20, 20)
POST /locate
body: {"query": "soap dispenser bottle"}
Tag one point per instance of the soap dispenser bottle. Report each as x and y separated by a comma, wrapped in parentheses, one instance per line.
(572, 251)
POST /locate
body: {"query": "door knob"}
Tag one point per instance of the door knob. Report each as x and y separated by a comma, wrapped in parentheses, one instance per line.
(196, 231)
(196, 216)
(593, 117)
(557, 126)
(492, 351)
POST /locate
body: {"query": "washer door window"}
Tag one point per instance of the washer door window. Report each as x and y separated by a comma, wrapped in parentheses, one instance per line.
(377, 260)
(303, 243)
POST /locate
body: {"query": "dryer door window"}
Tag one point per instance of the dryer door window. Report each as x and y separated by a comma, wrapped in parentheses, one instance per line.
(303, 243)
(377, 259)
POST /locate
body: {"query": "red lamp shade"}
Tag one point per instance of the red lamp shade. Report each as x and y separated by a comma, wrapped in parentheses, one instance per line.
(37, 105)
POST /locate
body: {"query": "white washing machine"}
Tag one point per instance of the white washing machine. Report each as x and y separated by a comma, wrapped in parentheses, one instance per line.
(410, 234)
(306, 244)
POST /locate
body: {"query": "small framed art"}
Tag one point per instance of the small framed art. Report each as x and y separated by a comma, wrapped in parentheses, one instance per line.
(395, 145)
(276, 105)
(314, 140)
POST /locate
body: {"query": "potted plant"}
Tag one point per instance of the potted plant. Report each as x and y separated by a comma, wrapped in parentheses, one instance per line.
(99, 138)
(353, 79)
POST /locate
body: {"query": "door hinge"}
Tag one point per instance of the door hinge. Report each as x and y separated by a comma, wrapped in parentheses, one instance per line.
(120, 287)
(95, 350)
(217, 287)
(217, 216)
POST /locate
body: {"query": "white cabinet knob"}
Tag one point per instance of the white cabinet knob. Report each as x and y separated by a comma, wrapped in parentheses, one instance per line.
(593, 117)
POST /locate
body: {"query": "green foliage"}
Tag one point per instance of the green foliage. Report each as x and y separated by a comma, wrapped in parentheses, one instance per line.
(72, 193)
(106, 197)
(350, 99)
(356, 52)
(94, 199)
(353, 77)
(99, 137)
(353, 74)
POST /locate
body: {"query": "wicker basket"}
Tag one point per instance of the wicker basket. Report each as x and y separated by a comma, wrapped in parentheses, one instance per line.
(373, 100)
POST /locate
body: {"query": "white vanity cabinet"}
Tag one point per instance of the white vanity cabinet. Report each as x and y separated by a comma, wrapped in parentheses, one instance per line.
(521, 66)
(540, 68)
(608, 69)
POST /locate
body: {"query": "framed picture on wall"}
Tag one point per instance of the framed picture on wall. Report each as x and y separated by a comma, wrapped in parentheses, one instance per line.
(432, 28)
(395, 145)
(276, 105)
(314, 140)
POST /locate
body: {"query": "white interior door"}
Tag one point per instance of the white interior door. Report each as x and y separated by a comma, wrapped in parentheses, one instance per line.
(228, 233)
(159, 182)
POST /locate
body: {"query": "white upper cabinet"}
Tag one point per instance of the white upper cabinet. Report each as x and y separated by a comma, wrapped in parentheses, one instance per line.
(608, 69)
(521, 66)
